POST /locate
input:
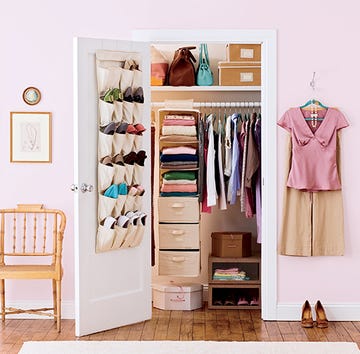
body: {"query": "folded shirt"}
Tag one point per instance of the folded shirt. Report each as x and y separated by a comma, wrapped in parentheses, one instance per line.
(178, 122)
(179, 188)
(179, 116)
(173, 175)
(178, 157)
(177, 194)
(178, 130)
(179, 150)
(179, 166)
(179, 181)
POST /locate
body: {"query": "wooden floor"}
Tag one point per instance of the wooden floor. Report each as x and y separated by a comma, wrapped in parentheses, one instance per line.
(203, 324)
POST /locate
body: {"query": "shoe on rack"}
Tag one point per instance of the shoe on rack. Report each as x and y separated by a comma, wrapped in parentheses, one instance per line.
(242, 302)
(128, 97)
(108, 129)
(306, 315)
(254, 301)
(139, 95)
(321, 320)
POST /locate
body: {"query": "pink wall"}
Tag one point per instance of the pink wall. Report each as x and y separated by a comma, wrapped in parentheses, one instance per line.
(36, 41)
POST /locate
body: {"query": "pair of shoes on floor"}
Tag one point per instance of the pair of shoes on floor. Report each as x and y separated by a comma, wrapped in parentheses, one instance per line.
(307, 319)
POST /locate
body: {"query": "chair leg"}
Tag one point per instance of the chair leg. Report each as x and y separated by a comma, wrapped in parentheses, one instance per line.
(58, 304)
(2, 291)
(54, 299)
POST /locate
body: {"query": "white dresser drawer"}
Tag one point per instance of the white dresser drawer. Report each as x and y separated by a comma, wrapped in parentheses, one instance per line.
(177, 209)
(177, 236)
(181, 263)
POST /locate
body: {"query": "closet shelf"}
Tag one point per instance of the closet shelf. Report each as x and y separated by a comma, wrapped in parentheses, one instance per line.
(204, 88)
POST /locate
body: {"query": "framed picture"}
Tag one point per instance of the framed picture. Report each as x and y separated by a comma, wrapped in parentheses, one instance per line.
(30, 137)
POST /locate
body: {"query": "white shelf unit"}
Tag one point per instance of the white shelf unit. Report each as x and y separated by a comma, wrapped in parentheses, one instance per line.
(207, 95)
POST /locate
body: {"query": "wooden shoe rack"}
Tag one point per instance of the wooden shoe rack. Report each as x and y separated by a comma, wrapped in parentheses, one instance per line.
(225, 294)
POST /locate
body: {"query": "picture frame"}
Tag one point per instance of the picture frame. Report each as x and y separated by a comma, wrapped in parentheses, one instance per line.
(30, 137)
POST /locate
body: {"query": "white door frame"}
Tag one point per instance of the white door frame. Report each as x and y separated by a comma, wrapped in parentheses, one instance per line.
(269, 306)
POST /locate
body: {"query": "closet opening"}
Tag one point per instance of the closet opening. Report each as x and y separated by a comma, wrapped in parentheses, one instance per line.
(230, 217)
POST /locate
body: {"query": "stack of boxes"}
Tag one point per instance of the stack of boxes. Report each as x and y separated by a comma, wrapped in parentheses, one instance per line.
(242, 66)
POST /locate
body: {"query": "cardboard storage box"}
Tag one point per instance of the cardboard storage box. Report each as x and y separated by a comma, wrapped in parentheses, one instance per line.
(243, 52)
(239, 73)
(187, 296)
(231, 244)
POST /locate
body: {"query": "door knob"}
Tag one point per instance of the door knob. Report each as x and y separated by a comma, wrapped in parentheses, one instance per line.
(74, 188)
(86, 187)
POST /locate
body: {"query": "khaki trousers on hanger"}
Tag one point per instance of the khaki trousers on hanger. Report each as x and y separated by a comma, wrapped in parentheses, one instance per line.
(312, 222)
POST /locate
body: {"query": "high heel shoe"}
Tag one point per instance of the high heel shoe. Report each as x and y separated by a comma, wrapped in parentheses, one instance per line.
(306, 316)
(321, 320)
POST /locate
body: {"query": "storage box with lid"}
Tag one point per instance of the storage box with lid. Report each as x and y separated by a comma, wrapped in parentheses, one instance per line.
(231, 244)
(243, 52)
(171, 296)
(234, 73)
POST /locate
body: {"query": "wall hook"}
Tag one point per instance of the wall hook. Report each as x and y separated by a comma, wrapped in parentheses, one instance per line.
(312, 82)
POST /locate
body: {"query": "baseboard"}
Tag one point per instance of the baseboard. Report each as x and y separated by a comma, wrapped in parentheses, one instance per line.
(284, 312)
(334, 312)
(67, 309)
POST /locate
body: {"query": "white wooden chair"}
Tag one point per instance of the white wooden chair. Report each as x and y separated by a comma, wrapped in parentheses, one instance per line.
(31, 248)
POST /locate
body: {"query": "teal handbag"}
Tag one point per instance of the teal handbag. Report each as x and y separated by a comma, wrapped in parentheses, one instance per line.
(204, 75)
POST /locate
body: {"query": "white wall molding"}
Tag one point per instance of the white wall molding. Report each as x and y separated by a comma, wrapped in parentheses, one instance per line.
(334, 312)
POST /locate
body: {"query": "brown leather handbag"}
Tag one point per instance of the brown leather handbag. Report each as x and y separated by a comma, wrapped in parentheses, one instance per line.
(182, 69)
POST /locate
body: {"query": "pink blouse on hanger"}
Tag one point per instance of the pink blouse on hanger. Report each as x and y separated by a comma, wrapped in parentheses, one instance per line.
(313, 165)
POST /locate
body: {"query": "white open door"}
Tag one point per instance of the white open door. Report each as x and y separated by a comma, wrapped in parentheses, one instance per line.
(113, 288)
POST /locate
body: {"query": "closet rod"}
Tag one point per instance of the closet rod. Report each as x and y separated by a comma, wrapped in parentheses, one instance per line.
(215, 104)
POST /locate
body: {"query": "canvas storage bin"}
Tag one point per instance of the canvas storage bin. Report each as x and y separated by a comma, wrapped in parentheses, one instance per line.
(243, 52)
(187, 296)
(231, 244)
(239, 73)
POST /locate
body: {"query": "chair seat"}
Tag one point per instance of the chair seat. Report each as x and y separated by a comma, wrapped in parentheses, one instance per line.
(35, 271)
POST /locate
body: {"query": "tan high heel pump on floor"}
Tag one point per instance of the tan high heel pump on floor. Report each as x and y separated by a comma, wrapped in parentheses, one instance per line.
(306, 316)
(321, 320)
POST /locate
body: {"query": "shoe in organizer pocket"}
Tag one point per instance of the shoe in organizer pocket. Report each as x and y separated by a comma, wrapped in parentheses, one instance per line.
(107, 78)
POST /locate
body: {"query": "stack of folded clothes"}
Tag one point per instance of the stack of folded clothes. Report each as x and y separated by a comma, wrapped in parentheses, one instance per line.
(230, 274)
(179, 184)
(176, 124)
(179, 158)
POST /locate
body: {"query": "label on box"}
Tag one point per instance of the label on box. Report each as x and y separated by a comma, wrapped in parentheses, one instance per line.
(246, 77)
(246, 53)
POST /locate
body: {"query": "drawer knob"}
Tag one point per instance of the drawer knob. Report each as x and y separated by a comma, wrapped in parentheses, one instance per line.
(178, 205)
(177, 232)
(178, 259)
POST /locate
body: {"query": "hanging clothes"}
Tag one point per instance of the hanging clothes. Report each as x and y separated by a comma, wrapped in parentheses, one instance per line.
(222, 195)
(313, 208)
(257, 136)
(244, 142)
(210, 173)
(234, 182)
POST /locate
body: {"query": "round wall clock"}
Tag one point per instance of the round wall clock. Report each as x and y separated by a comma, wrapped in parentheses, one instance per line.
(31, 95)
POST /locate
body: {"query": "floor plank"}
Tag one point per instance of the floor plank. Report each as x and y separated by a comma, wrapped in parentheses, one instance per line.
(201, 324)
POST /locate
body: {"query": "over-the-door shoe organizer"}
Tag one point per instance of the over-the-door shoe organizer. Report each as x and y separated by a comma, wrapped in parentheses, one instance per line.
(121, 159)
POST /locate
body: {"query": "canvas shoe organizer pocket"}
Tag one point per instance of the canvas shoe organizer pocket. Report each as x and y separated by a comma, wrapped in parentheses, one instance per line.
(120, 233)
(118, 111)
(104, 239)
(105, 140)
(140, 230)
(131, 229)
(119, 173)
(106, 206)
(138, 111)
(107, 78)
(106, 172)
(106, 111)
(127, 77)
(137, 79)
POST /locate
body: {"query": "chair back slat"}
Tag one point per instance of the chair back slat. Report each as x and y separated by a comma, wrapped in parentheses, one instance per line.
(44, 232)
(35, 232)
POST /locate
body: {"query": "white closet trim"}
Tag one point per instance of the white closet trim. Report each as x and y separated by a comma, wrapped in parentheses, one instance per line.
(269, 305)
